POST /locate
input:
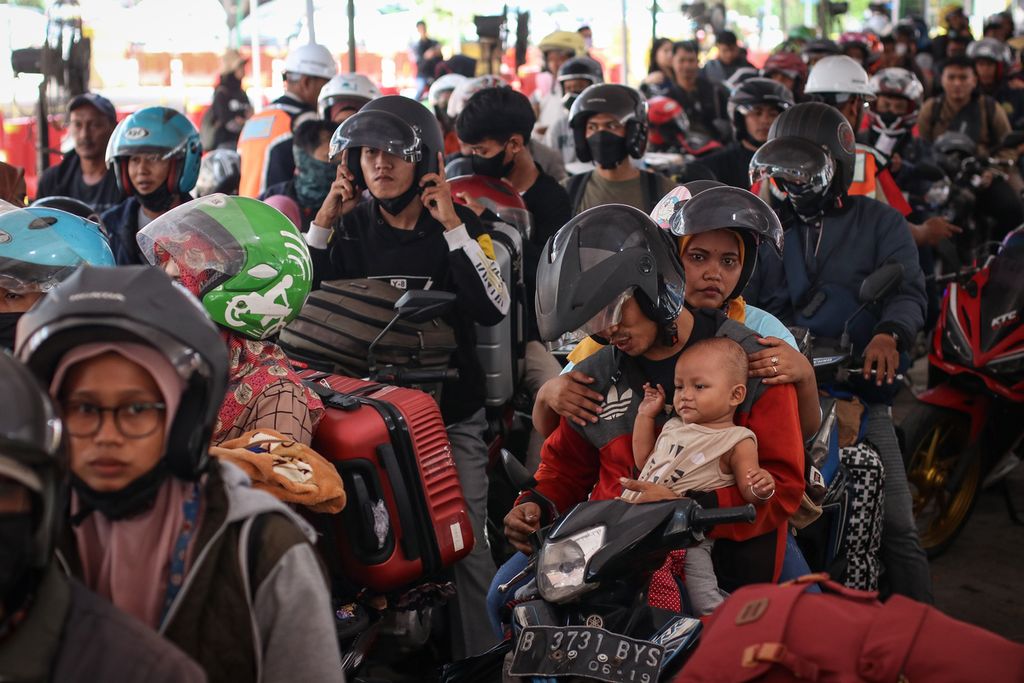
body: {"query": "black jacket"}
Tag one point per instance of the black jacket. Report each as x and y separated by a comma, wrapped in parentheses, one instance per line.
(65, 180)
(122, 225)
(364, 245)
(71, 634)
(730, 165)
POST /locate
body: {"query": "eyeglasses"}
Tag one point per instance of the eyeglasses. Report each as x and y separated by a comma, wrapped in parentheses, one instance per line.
(134, 420)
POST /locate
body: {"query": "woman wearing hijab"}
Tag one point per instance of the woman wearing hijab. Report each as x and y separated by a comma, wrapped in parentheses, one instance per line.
(168, 534)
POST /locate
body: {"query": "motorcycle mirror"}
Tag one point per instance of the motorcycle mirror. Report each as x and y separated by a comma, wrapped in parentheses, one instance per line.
(421, 305)
(877, 285)
(516, 472)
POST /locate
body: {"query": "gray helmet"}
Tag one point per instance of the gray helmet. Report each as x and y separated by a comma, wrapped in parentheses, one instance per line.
(603, 254)
(137, 304)
(31, 453)
(735, 209)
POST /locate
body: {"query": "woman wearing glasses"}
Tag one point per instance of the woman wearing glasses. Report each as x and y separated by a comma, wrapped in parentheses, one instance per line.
(168, 534)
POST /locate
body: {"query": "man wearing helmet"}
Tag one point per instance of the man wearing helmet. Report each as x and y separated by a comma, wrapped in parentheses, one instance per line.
(155, 155)
(83, 173)
(54, 629)
(439, 95)
(266, 140)
(788, 69)
(410, 234)
(314, 173)
(344, 95)
(833, 241)
(992, 62)
(962, 108)
(557, 48)
(609, 126)
(753, 106)
(574, 76)
(957, 27)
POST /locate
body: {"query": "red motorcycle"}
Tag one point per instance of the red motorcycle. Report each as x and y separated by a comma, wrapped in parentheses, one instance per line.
(964, 433)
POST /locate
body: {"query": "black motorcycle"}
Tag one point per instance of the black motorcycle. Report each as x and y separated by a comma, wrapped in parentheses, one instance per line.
(585, 613)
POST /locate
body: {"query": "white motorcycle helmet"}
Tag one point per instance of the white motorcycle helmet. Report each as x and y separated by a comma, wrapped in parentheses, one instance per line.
(354, 88)
(445, 84)
(462, 93)
(311, 59)
(839, 75)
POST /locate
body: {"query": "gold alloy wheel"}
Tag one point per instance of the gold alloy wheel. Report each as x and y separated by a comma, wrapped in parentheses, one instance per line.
(940, 513)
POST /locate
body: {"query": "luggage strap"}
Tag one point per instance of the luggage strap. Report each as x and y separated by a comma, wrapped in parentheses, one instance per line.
(763, 621)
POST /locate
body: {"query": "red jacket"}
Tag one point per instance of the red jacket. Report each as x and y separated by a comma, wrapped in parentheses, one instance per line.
(578, 464)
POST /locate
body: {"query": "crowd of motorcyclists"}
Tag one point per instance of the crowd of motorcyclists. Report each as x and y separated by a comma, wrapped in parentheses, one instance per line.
(144, 289)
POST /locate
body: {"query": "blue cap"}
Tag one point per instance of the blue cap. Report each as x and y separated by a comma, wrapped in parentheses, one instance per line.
(101, 103)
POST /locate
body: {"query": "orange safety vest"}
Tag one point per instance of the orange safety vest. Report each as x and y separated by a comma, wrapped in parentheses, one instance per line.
(865, 172)
(261, 134)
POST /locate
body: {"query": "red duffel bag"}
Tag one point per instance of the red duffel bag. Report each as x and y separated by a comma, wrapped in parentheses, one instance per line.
(769, 633)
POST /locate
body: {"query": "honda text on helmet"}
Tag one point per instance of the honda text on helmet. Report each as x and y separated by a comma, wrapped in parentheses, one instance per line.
(625, 109)
(160, 134)
(245, 261)
(810, 155)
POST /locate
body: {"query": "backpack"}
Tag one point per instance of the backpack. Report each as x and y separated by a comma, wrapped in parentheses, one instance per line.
(577, 187)
(774, 633)
(340, 320)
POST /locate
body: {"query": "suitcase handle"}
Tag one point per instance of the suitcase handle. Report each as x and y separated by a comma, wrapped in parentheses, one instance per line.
(410, 544)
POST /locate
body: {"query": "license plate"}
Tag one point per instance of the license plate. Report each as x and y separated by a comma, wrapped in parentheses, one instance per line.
(594, 653)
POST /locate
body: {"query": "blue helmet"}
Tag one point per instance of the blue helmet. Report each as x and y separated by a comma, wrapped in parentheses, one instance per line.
(40, 247)
(157, 130)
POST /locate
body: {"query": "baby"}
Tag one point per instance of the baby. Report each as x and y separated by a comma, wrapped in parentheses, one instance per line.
(701, 449)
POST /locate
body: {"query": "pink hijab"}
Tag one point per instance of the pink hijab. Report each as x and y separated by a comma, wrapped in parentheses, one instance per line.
(128, 561)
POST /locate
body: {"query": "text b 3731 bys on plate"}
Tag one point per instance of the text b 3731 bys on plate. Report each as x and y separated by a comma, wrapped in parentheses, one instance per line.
(585, 651)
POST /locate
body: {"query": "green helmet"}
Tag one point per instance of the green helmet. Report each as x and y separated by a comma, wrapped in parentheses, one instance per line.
(802, 34)
(243, 259)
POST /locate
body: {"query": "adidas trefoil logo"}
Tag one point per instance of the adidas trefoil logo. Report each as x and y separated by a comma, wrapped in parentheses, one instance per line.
(615, 406)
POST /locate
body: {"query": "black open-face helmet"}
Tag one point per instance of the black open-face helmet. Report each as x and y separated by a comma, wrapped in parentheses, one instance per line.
(138, 304)
(31, 454)
(733, 209)
(596, 261)
(396, 125)
(624, 103)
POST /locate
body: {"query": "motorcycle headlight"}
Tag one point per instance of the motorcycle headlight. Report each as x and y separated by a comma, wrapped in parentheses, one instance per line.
(562, 566)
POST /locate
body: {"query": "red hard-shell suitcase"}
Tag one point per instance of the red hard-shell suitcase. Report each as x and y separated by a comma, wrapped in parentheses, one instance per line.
(405, 518)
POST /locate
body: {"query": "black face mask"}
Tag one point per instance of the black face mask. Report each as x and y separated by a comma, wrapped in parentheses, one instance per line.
(607, 149)
(8, 326)
(493, 166)
(129, 501)
(396, 205)
(16, 540)
(158, 200)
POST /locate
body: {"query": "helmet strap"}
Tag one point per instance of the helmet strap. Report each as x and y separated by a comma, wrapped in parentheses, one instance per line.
(137, 497)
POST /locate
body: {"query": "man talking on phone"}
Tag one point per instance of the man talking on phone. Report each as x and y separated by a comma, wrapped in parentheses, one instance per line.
(409, 234)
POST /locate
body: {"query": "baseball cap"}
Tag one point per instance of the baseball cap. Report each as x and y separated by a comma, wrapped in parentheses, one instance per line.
(101, 103)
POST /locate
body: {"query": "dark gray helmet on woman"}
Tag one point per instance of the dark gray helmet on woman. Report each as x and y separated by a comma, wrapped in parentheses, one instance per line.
(137, 304)
(596, 261)
(735, 209)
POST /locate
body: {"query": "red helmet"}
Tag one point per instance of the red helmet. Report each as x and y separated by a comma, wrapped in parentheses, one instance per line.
(788, 63)
(498, 196)
(480, 186)
(668, 122)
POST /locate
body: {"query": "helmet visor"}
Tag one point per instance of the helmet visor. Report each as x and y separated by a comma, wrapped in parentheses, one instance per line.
(728, 207)
(608, 316)
(799, 164)
(194, 238)
(33, 258)
(520, 219)
(377, 130)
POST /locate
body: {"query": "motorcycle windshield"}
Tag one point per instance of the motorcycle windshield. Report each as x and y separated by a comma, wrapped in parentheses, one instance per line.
(1002, 301)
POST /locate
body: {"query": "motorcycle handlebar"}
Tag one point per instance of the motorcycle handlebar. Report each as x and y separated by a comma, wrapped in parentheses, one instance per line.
(709, 517)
